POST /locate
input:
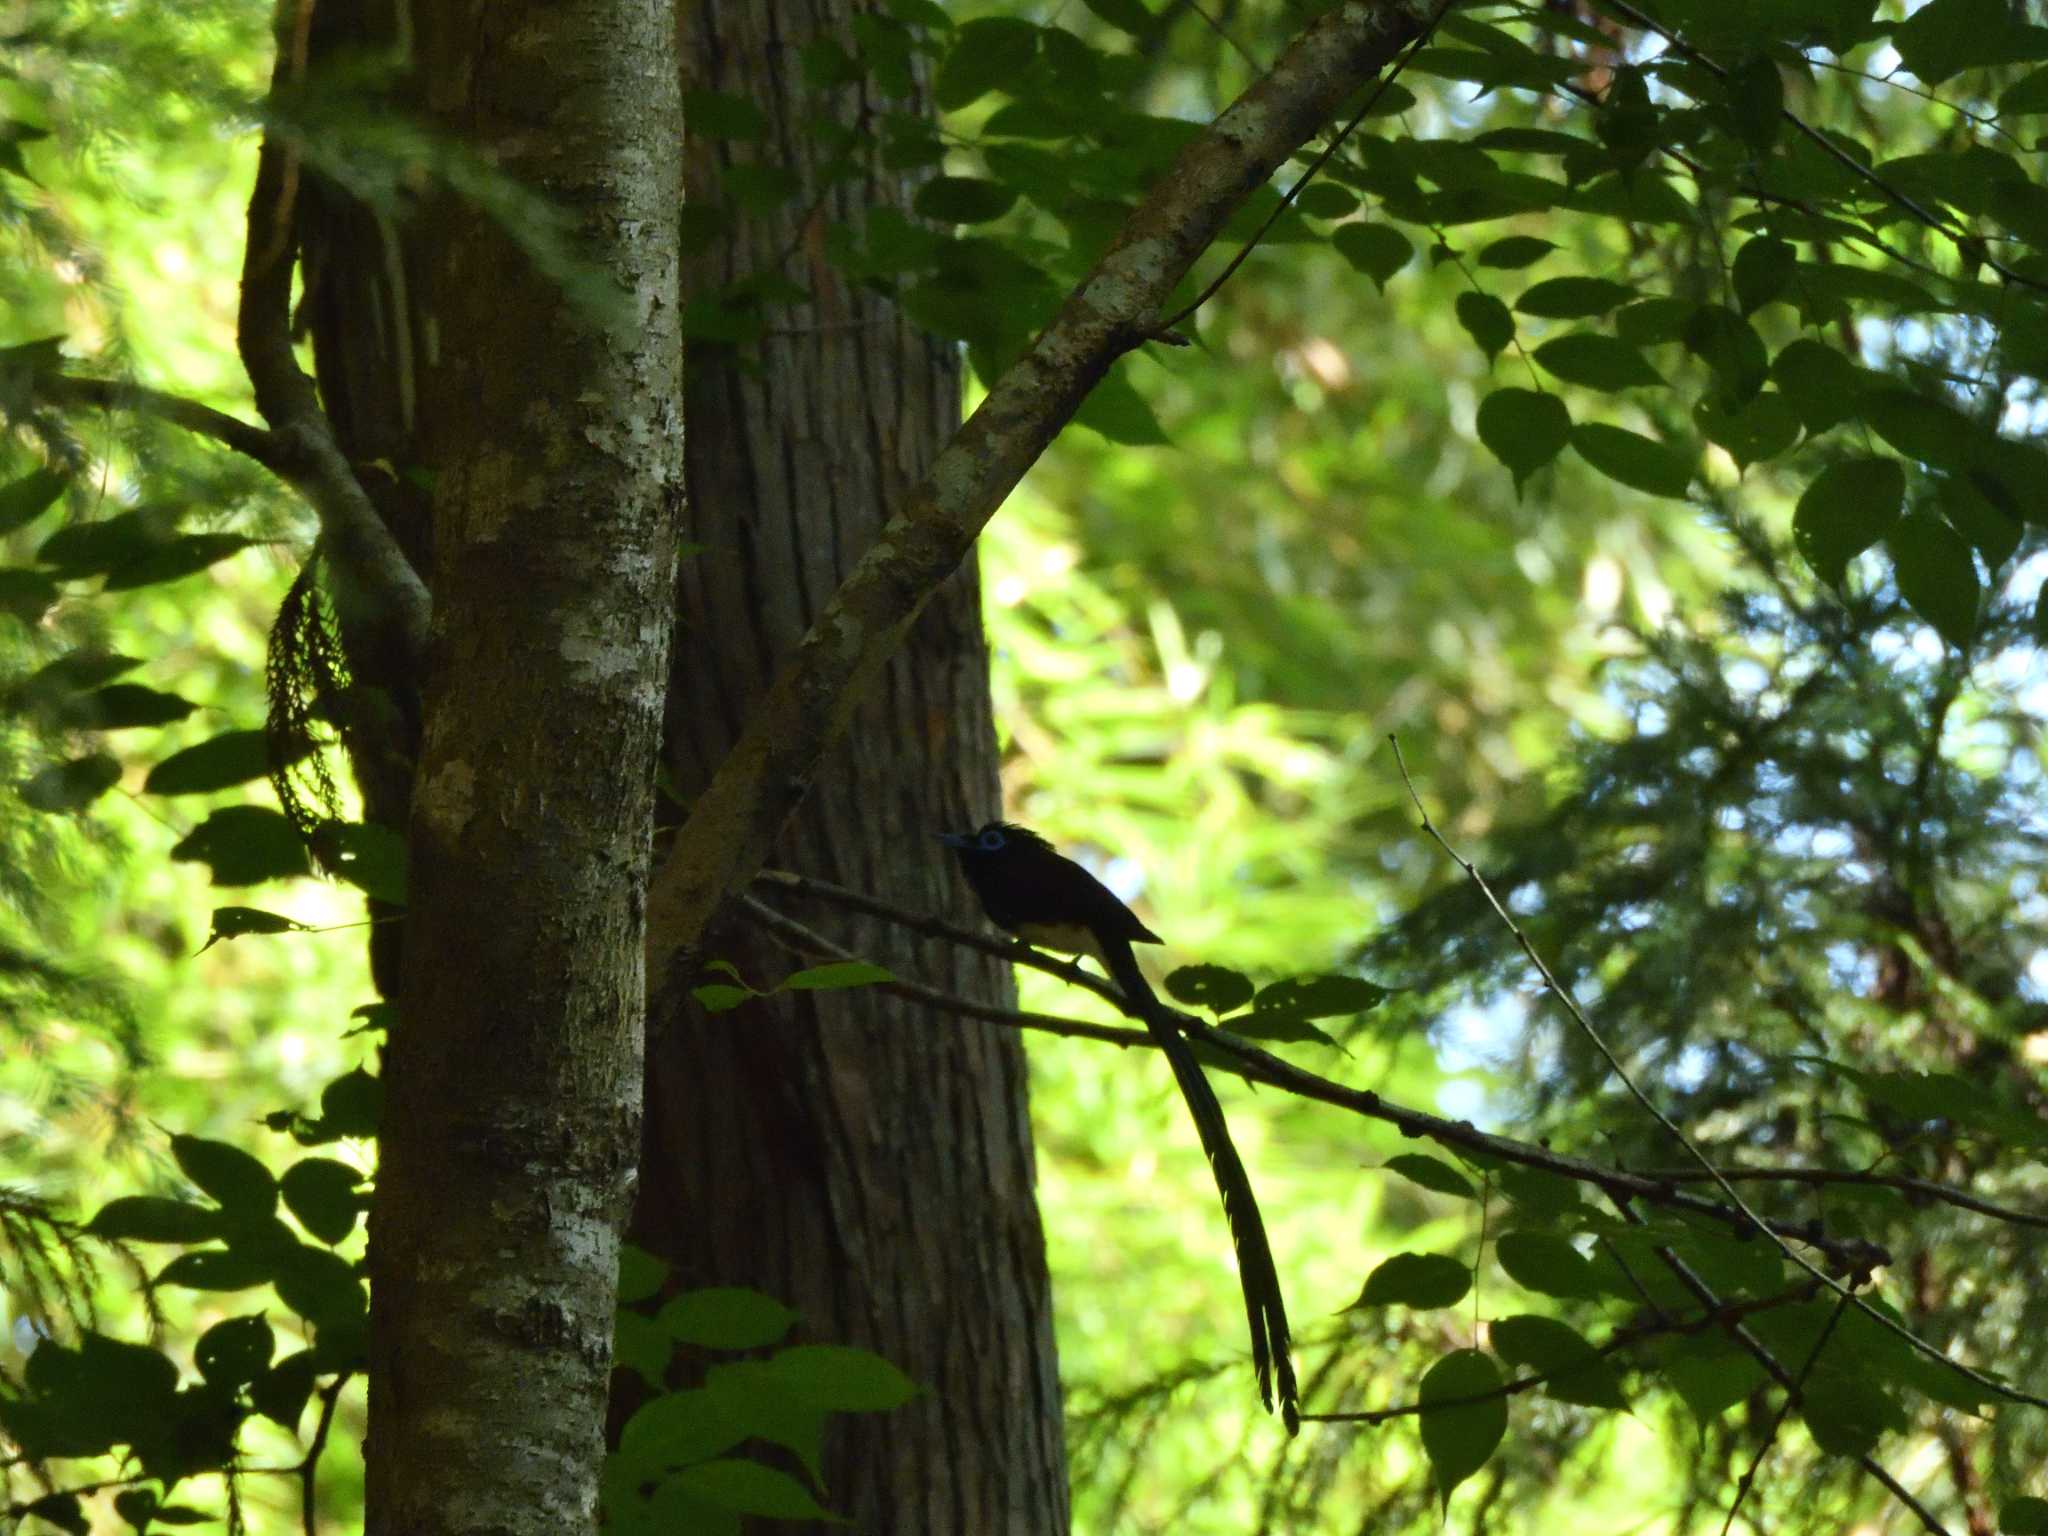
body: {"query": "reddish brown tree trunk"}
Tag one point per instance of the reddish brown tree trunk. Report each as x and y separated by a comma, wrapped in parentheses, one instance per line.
(860, 1157)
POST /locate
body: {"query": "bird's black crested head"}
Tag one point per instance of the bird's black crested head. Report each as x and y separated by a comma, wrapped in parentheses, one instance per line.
(993, 840)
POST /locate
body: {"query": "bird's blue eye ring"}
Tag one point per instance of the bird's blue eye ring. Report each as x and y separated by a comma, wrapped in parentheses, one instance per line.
(990, 840)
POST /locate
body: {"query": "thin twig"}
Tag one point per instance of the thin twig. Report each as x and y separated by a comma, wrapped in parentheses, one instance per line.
(1257, 1066)
(1166, 329)
(1748, 1479)
(1760, 1352)
(309, 1469)
(1925, 1189)
(1972, 246)
(252, 442)
(1622, 1338)
(1578, 1017)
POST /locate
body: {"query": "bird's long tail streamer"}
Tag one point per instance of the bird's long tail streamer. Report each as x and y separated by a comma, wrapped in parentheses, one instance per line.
(1264, 1306)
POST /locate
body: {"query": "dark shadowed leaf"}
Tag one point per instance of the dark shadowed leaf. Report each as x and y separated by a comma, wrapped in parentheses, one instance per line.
(1416, 1280)
(1430, 1173)
(1850, 506)
(1936, 574)
(73, 785)
(1460, 1435)
(1632, 459)
(245, 844)
(1572, 1371)
(1214, 987)
(1524, 428)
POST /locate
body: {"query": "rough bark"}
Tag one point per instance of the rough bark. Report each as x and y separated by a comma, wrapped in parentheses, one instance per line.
(808, 708)
(872, 1169)
(550, 434)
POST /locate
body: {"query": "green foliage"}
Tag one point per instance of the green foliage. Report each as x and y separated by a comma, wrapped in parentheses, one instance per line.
(671, 1463)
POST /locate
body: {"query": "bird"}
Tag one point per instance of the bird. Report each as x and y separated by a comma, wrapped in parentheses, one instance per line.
(1030, 889)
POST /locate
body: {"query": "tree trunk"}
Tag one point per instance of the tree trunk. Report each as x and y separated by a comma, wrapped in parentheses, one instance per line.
(862, 1158)
(546, 418)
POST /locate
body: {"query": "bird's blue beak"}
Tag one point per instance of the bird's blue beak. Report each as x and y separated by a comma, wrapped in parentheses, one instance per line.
(957, 839)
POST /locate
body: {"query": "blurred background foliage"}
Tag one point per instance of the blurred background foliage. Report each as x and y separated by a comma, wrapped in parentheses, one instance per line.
(1754, 824)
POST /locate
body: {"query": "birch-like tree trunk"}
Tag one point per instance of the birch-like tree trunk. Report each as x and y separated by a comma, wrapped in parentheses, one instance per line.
(523, 435)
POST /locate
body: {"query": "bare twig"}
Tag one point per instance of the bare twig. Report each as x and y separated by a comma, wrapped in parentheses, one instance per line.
(369, 567)
(1257, 1066)
(309, 1469)
(1972, 247)
(1623, 1338)
(1166, 330)
(1578, 1017)
(1921, 1189)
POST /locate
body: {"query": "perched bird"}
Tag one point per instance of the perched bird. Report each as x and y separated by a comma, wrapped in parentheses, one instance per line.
(1029, 889)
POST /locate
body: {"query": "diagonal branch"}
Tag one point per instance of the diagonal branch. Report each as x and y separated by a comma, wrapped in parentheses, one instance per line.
(1855, 1255)
(369, 568)
(807, 709)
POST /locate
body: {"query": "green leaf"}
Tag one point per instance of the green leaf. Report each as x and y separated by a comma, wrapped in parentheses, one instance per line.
(173, 560)
(2027, 94)
(1850, 506)
(321, 1193)
(641, 1274)
(2025, 1515)
(1756, 101)
(1377, 250)
(1214, 987)
(986, 55)
(720, 115)
(1326, 200)
(1929, 430)
(837, 976)
(721, 997)
(86, 548)
(28, 595)
(24, 500)
(1947, 36)
(1729, 345)
(321, 1287)
(124, 706)
(232, 1354)
(1514, 252)
(1573, 1371)
(675, 1429)
(352, 1104)
(54, 686)
(368, 855)
(280, 1393)
(73, 785)
(218, 1269)
(1761, 430)
(244, 845)
(963, 199)
(749, 1488)
(1632, 459)
(220, 762)
(242, 1186)
(1431, 1173)
(1314, 997)
(1545, 1263)
(1936, 575)
(1820, 381)
(639, 1346)
(1712, 1382)
(1991, 529)
(1125, 15)
(1460, 1437)
(725, 1317)
(1416, 1280)
(1524, 428)
(155, 1219)
(841, 1379)
(1596, 361)
(1116, 410)
(1762, 270)
(1652, 322)
(1487, 321)
(1846, 1411)
(1573, 298)
(234, 922)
